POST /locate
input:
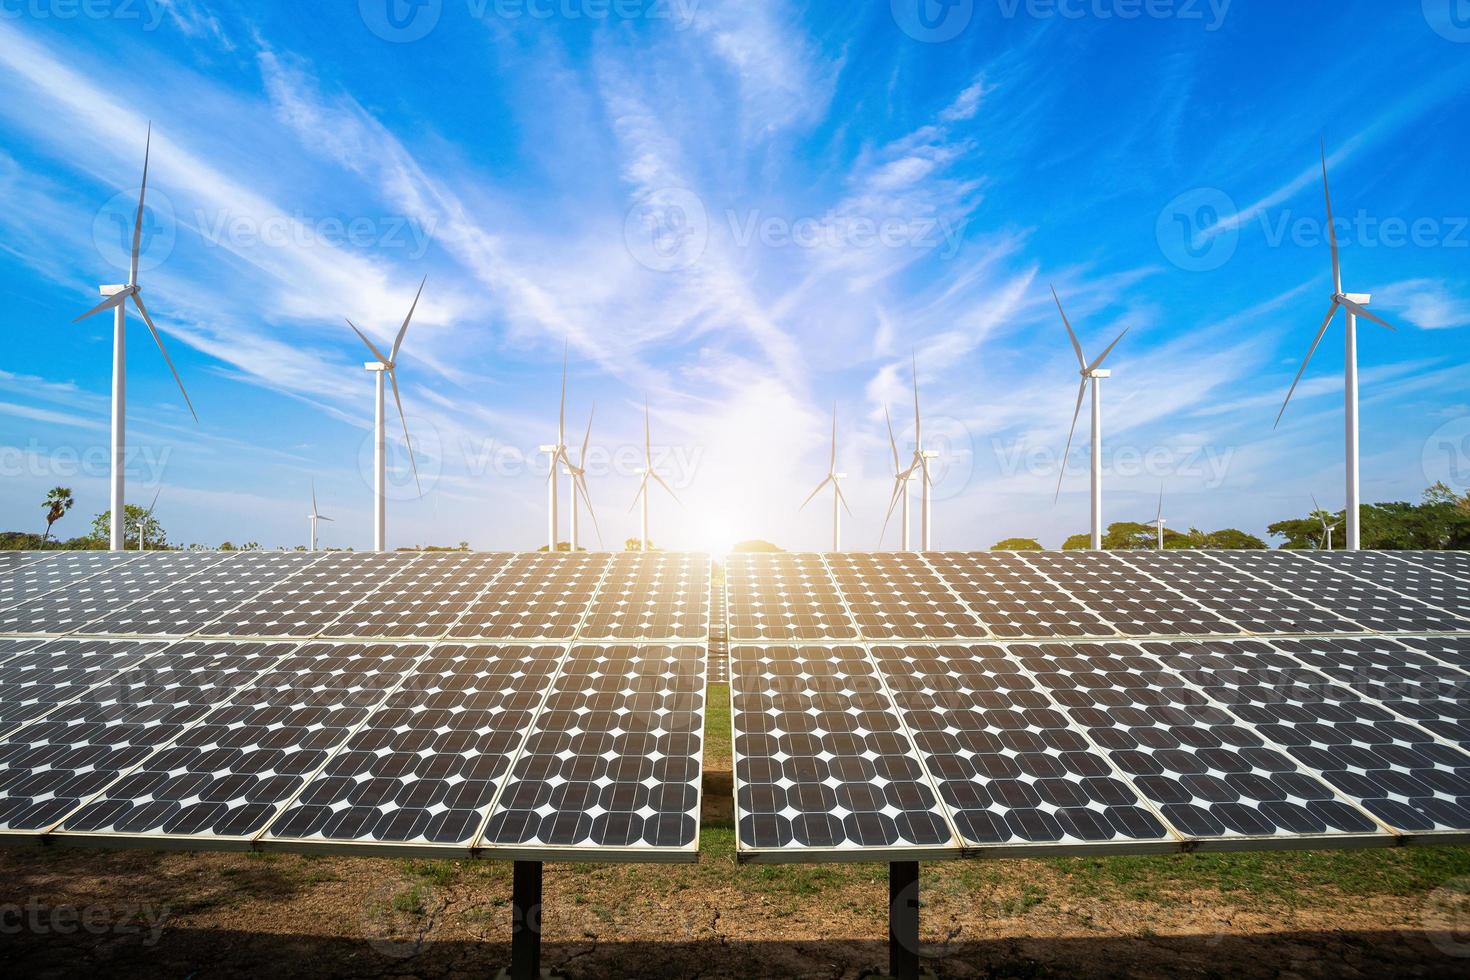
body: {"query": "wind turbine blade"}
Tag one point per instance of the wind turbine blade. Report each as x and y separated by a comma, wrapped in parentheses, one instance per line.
(561, 418)
(313, 499)
(1081, 393)
(403, 330)
(393, 380)
(642, 489)
(841, 497)
(370, 346)
(587, 440)
(1331, 227)
(154, 504)
(581, 484)
(1365, 313)
(321, 517)
(668, 488)
(1160, 516)
(814, 493)
(832, 463)
(158, 339)
(1320, 515)
(138, 221)
(647, 437)
(1302, 370)
(115, 299)
(1104, 355)
(1071, 334)
(893, 443)
(918, 420)
(898, 488)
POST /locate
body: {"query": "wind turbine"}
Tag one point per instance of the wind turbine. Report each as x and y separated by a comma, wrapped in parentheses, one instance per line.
(649, 474)
(143, 524)
(558, 454)
(901, 478)
(1158, 520)
(1327, 529)
(1092, 374)
(381, 366)
(116, 301)
(921, 463)
(1355, 305)
(315, 516)
(835, 478)
(579, 486)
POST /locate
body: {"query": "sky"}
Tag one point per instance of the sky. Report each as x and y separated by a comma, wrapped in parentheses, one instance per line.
(749, 214)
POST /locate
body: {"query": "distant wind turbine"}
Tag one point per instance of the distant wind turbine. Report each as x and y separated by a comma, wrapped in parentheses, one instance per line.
(1327, 529)
(579, 486)
(921, 464)
(1093, 374)
(648, 474)
(901, 479)
(315, 516)
(1355, 305)
(1158, 521)
(559, 457)
(143, 524)
(116, 301)
(839, 502)
(381, 366)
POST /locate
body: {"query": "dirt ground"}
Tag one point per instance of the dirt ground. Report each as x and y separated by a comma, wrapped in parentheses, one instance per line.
(1371, 914)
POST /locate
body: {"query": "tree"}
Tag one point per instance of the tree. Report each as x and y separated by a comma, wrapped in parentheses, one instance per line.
(755, 546)
(57, 503)
(1233, 540)
(636, 544)
(134, 518)
(562, 546)
(1017, 544)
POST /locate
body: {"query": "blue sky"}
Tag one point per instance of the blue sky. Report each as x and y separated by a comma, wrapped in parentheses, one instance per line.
(746, 212)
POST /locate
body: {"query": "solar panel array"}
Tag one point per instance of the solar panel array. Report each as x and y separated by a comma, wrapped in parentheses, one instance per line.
(1033, 703)
(424, 703)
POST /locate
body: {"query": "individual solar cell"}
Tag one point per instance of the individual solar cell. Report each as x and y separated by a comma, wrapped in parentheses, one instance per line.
(1009, 765)
(1372, 606)
(823, 764)
(1210, 776)
(1012, 599)
(1248, 602)
(897, 596)
(1389, 767)
(427, 763)
(1456, 563)
(116, 585)
(1385, 570)
(613, 758)
(51, 767)
(34, 681)
(306, 603)
(652, 596)
(1134, 605)
(1409, 681)
(229, 775)
(425, 600)
(783, 597)
(55, 570)
(538, 597)
(191, 604)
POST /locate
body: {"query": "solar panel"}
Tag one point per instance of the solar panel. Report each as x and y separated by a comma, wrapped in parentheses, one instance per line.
(114, 585)
(612, 762)
(823, 764)
(34, 681)
(51, 766)
(424, 601)
(305, 603)
(1456, 563)
(425, 765)
(1012, 599)
(191, 604)
(538, 597)
(1133, 604)
(783, 597)
(53, 571)
(653, 596)
(223, 780)
(10, 561)
(1248, 602)
(1375, 607)
(1386, 571)
(898, 596)
(1010, 767)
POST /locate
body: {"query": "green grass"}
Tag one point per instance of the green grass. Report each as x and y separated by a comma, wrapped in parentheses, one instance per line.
(717, 727)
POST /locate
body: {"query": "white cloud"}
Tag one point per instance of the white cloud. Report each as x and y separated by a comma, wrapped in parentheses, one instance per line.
(1426, 303)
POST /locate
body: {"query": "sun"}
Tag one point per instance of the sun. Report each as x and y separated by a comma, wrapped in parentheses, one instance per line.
(717, 538)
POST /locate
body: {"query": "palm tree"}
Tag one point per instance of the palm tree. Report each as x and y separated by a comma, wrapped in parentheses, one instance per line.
(57, 503)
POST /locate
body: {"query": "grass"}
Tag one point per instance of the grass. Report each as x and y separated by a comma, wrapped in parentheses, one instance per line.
(717, 727)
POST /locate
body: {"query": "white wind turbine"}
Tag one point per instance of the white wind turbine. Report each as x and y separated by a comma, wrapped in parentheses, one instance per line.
(649, 474)
(835, 478)
(578, 474)
(921, 463)
(1327, 529)
(1092, 374)
(381, 366)
(315, 516)
(116, 301)
(1158, 521)
(901, 479)
(558, 454)
(143, 524)
(1355, 305)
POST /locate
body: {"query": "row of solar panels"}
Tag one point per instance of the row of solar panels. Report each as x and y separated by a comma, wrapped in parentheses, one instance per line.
(344, 595)
(1051, 595)
(440, 749)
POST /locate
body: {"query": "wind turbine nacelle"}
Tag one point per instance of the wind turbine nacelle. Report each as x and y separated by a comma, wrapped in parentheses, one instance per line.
(375, 366)
(1362, 299)
(110, 290)
(1101, 374)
